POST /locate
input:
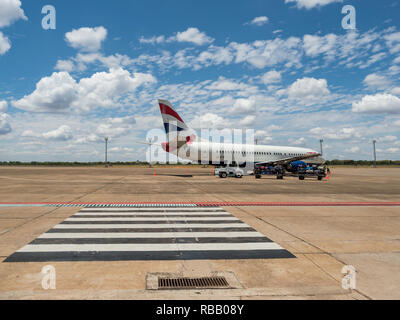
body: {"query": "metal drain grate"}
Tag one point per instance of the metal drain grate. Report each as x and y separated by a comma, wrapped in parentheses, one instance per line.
(193, 283)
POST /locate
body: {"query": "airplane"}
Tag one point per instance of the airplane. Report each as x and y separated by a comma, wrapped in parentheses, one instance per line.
(183, 142)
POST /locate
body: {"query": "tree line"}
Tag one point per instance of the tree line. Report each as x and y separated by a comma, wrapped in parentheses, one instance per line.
(362, 162)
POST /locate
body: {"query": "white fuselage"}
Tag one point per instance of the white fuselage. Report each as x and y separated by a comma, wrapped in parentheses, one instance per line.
(210, 152)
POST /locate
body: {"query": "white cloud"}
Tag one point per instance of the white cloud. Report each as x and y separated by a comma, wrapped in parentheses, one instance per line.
(374, 58)
(396, 91)
(208, 120)
(63, 133)
(115, 127)
(374, 80)
(247, 120)
(60, 92)
(82, 60)
(379, 103)
(89, 139)
(259, 54)
(108, 130)
(3, 106)
(147, 122)
(393, 41)
(121, 149)
(261, 133)
(4, 124)
(55, 93)
(86, 39)
(5, 44)
(128, 120)
(263, 53)
(225, 84)
(344, 133)
(392, 150)
(152, 40)
(308, 87)
(243, 106)
(258, 21)
(298, 142)
(273, 127)
(349, 50)
(309, 4)
(10, 11)
(317, 131)
(65, 65)
(193, 35)
(353, 150)
(29, 133)
(387, 139)
(262, 136)
(335, 134)
(394, 70)
(316, 45)
(271, 77)
(215, 56)
(103, 89)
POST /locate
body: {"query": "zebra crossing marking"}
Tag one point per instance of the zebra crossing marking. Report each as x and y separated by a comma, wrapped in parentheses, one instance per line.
(141, 233)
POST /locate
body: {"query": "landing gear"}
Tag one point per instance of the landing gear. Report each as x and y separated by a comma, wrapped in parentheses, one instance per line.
(279, 172)
(257, 172)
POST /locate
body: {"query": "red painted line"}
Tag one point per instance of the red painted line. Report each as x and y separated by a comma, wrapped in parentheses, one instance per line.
(302, 204)
(223, 204)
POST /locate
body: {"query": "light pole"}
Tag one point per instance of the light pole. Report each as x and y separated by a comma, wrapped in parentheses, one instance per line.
(106, 140)
(150, 141)
(374, 143)
(320, 143)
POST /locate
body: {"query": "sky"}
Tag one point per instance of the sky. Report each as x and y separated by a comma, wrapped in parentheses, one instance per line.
(291, 70)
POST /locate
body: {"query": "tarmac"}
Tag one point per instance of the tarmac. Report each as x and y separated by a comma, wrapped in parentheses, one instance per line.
(322, 239)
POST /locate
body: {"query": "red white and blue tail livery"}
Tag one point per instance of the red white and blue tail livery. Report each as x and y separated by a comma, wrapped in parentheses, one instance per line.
(172, 120)
(178, 133)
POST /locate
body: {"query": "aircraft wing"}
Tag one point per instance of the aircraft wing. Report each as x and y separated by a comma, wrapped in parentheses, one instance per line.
(288, 160)
(148, 143)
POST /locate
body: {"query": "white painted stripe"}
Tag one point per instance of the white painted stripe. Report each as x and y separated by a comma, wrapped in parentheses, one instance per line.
(148, 226)
(230, 234)
(151, 213)
(150, 247)
(154, 219)
(127, 209)
(174, 121)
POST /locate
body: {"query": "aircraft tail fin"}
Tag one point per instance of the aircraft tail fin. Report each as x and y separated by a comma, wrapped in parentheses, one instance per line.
(178, 133)
(172, 121)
